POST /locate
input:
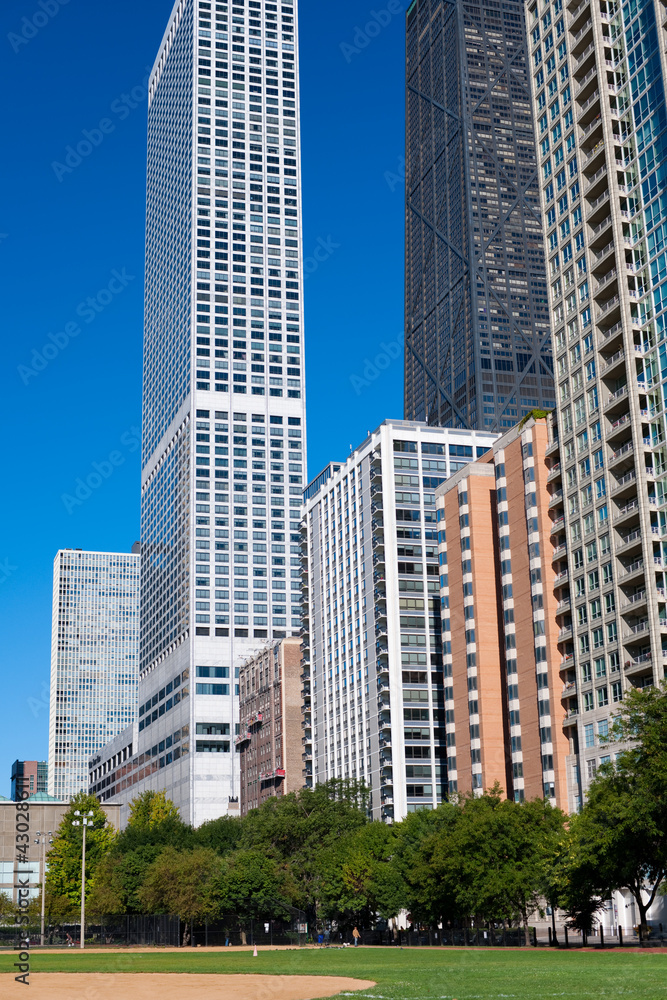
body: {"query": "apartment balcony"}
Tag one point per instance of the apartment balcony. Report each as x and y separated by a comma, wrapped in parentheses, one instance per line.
(559, 553)
(600, 233)
(594, 157)
(587, 94)
(607, 253)
(584, 34)
(628, 511)
(610, 309)
(552, 447)
(563, 606)
(607, 283)
(616, 400)
(576, 12)
(610, 337)
(569, 689)
(626, 543)
(636, 632)
(378, 541)
(625, 484)
(591, 132)
(596, 180)
(624, 452)
(640, 664)
(632, 571)
(617, 427)
(571, 718)
(566, 662)
(556, 498)
(634, 602)
(557, 524)
(561, 578)
(565, 633)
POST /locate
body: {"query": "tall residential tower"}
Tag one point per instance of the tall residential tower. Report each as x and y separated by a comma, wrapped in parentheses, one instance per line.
(94, 660)
(598, 83)
(477, 345)
(223, 413)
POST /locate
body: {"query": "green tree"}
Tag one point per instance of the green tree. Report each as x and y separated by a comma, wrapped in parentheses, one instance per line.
(63, 877)
(223, 835)
(152, 809)
(620, 837)
(300, 828)
(182, 883)
(425, 879)
(7, 909)
(252, 886)
(357, 880)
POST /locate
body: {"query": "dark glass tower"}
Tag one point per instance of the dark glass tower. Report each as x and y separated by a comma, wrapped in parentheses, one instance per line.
(477, 344)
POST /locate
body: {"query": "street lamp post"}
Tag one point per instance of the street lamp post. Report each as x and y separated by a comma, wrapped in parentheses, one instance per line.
(84, 820)
(43, 839)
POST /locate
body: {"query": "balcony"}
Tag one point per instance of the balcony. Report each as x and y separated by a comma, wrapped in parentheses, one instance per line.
(639, 664)
(615, 398)
(625, 483)
(554, 472)
(563, 606)
(559, 552)
(569, 689)
(626, 451)
(571, 717)
(565, 633)
(557, 524)
(632, 540)
(610, 307)
(561, 578)
(632, 570)
(556, 498)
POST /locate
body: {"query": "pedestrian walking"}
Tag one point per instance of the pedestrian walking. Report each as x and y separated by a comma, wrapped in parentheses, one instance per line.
(356, 935)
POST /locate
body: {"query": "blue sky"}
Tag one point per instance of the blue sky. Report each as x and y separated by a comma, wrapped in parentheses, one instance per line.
(70, 237)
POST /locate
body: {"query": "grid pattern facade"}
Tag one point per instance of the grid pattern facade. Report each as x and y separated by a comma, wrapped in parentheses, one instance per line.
(224, 447)
(373, 649)
(477, 345)
(598, 73)
(94, 660)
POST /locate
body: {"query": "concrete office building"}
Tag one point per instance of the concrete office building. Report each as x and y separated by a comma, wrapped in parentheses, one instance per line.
(502, 664)
(94, 659)
(271, 737)
(477, 344)
(224, 397)
(598, 88)
(373, 651)
(46, 814)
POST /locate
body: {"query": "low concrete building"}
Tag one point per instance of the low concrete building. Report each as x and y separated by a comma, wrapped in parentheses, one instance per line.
(270, 737)
(43, 816)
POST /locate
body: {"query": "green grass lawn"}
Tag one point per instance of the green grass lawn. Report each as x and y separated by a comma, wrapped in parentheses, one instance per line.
(409, 974)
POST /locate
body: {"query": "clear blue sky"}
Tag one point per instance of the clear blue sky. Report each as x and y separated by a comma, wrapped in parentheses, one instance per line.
(62, 235)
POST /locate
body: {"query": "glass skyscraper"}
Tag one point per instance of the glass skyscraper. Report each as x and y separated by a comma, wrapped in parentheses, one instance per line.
(94, 660)
(223, 413)
(598, 84)
(477, 345)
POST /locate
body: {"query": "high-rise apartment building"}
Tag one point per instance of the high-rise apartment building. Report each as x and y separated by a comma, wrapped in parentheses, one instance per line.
(373, 649)
(270, 743)
(94, 659)
(223, 414)
(501, 661)
(477, 345)
(28, 778)
(598, 85)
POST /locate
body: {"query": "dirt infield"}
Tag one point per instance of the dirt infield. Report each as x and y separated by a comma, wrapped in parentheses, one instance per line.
(178, 986)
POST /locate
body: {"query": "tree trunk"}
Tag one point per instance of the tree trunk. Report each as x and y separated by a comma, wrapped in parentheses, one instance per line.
(243, 937)
(186, 934)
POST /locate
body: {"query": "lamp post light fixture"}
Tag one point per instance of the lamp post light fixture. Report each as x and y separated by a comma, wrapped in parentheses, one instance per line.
(42, 839)
(85, 820)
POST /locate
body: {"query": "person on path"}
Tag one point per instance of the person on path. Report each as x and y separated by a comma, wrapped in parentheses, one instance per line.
(356, 935)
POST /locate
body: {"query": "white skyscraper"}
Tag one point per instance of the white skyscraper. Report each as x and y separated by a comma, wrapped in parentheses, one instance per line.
(94, 659)
(223, 415)
(377, 696)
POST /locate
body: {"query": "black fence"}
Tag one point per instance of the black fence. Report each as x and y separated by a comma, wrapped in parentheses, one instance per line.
(125, 931)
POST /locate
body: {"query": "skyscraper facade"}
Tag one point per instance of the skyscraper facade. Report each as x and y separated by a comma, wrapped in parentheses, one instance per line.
(501, 662)
(373, 646)
(598, 85)
(477, 345)
(224, 419)
(94, 660)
